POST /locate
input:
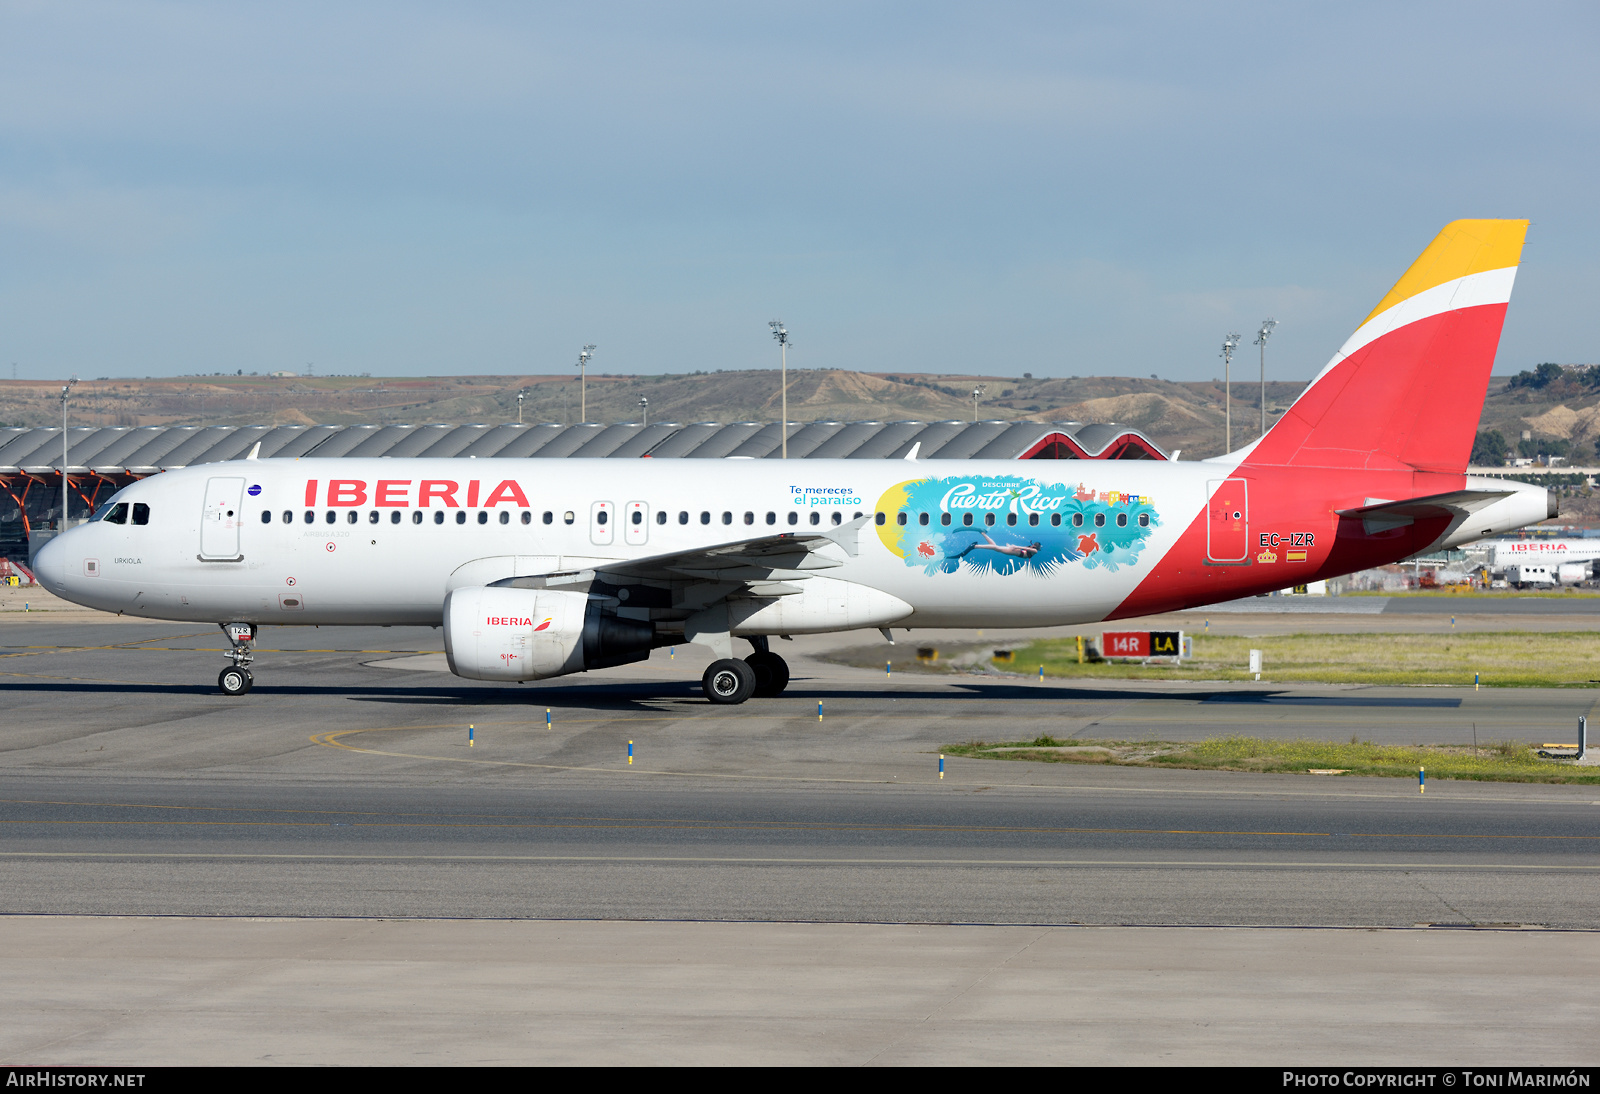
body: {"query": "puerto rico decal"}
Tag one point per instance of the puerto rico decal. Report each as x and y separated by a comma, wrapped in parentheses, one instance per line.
(1006, 524)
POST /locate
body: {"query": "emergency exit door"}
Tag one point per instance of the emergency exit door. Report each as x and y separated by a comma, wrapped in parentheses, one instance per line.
(220, 520)
(1227, 521)
(602, 523)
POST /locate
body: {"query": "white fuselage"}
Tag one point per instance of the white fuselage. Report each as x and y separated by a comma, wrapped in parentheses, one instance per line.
(388, 551)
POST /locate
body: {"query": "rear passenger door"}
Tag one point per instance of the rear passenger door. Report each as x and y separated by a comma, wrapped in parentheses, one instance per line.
(1228, 521)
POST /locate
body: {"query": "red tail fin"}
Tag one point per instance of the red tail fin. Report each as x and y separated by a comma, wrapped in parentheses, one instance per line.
(1407, 389)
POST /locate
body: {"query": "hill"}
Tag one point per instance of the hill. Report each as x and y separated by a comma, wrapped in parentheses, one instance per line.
(1561, 413)
(1186, 416)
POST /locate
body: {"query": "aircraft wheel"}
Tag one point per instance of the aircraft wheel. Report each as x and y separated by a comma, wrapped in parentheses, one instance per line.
(772, 674)
(235, 681)
(728, 681)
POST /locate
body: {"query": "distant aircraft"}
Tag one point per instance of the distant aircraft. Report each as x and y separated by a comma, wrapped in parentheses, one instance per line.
(1553, 553)
(538, 569)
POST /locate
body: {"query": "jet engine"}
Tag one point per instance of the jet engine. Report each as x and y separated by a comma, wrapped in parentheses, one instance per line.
(530, 634)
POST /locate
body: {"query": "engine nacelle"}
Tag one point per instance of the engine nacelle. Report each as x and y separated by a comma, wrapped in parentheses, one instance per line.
(532, 634)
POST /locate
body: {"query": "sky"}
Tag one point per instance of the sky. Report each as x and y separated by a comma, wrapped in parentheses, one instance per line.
(1000, 188)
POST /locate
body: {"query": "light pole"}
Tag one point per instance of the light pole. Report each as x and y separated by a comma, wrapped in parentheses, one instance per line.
(976, 392)
(65, 496)
(781, 333)
(1229, 344)
(1261, 340)
(644, 406)
(583, 382)
(523, 394)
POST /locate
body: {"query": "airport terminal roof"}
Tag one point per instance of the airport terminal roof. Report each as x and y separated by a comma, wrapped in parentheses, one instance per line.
(144, 450)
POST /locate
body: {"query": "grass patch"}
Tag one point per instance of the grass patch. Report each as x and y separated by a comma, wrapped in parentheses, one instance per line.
(1503, 658)
(1505, 761)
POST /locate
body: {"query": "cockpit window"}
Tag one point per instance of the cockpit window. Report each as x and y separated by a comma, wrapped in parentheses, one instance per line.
(141, 513)
(112, 513)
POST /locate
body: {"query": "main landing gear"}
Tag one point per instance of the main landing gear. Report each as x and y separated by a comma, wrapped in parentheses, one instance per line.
(763, 674)
(237, 680)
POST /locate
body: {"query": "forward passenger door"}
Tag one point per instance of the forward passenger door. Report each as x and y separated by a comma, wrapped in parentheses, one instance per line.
(220, 520)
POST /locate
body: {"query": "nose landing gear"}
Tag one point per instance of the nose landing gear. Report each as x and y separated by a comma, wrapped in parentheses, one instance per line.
(237, 680)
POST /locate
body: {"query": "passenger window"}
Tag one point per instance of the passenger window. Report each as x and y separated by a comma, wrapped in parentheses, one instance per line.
(1011, 518)
(966, 519)
(141, 513)
(438, 516)
(1144, 520)
(705, 517)
(1122, 520)
(353, 517)
(727, 517)
(311, 518)
(1033, 520)
(1077, 520)
(601, 517)
(1055, 520)
(372, 517)
(638, 517)
(505, 517)
(683, 517)
(1099, 520)
(332, 516)
(988, 518)
(416, 516)
(816, 518)
(944, 519)
(461, 516)
(749, 517)
(394, 517)
(266, 516)
(288, 517)
(483, 516)
(527, 516)
(794, 518)
(772, 518)
(838, 518)
(568, 517)
(549, 517)
(661, 516)
(922, 519)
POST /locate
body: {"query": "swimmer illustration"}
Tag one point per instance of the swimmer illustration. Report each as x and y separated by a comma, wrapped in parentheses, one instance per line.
(1016, 551)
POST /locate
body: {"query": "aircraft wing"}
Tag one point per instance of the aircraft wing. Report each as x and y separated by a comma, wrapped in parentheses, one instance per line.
(763, 557)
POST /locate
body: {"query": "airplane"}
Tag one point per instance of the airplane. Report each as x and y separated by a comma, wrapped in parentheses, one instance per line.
(536, 570)
(1553, 553)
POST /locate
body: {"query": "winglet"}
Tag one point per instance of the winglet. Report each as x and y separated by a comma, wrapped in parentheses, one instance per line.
(255, 453)
(848, 535)
(912, 455)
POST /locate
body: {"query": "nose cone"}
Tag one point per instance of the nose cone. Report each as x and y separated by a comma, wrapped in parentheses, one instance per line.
(50, 565)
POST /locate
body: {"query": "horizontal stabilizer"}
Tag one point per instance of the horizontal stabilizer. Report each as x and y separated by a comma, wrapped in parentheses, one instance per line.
(1381, 516)
(1455, 503)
